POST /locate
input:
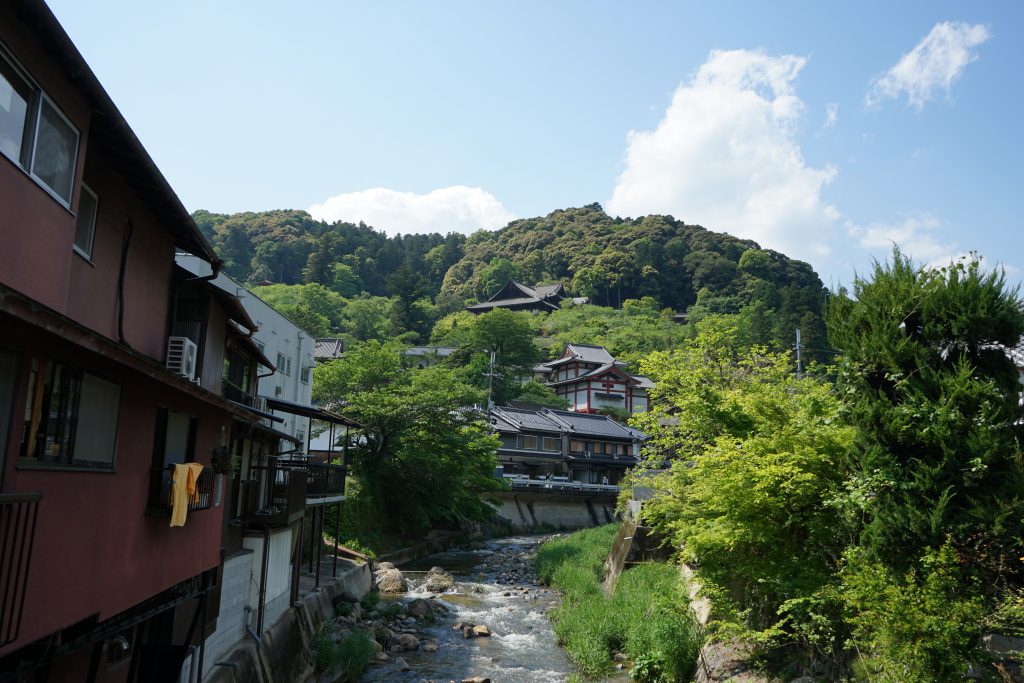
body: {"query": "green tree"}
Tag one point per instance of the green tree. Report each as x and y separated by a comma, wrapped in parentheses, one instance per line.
(509, 335)
(935, 400)
(754, 457)
(425, 463)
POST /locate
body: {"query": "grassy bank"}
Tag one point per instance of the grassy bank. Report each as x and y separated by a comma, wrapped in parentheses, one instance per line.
(647, 618)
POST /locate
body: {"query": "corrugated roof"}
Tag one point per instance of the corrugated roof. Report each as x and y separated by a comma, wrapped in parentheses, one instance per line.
(328, 348)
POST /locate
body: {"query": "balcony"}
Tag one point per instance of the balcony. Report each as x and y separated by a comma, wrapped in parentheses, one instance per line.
(323, 481)
(272, 494)
(160, 491)
(18, 512)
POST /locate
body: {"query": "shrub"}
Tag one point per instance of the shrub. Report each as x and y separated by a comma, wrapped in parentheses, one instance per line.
(351, 654)
(920, 627)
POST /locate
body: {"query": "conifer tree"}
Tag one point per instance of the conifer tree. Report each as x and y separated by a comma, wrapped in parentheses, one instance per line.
(935, 400)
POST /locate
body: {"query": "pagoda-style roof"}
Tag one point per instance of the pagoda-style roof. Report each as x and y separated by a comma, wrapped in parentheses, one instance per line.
(519, 297)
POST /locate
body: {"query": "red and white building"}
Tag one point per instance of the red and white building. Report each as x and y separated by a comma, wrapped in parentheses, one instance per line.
(592, 381)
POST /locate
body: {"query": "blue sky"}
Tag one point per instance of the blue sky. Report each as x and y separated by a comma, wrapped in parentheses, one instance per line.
(823, 130)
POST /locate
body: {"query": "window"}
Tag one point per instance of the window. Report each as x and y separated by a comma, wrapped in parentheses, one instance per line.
(576, 446)
(284, 364)
(528, 442)
(85, 223)
(70, 417)
(550, 443)
(304, 374)
(35, 134)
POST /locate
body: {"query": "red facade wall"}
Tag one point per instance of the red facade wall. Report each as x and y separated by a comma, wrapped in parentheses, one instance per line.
(37, 258)
(96, 552)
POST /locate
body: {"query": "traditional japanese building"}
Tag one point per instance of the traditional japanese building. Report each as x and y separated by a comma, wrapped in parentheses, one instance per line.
(591, 380)
(541, 444)
(516, 296)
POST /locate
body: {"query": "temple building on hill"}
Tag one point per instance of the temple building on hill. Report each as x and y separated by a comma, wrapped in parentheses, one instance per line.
(516, 296)
(591, 380)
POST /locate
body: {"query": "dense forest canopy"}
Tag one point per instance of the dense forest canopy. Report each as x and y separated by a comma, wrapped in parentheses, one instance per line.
(681, 267)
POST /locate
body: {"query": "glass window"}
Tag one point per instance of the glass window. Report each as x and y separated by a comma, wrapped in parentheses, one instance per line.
(304, 374)
(15, 97)
(70, 417)
(575, 446)
(550, 443)
(85, 224)
(53, 161)
(528, 442)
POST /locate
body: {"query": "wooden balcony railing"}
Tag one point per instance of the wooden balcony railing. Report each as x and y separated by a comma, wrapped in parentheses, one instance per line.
(18, 512)
(272, 495)
(160, 491)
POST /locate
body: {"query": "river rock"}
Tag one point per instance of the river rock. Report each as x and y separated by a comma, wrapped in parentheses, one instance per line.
(420, 608)
(481, 631)
(391, 581)
(476, 679)
(401, 664)
(438, 580)
(408, 642)
(430, 645)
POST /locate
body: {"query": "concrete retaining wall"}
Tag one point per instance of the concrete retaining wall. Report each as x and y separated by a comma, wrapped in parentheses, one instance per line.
(526, 511)
(284, 653)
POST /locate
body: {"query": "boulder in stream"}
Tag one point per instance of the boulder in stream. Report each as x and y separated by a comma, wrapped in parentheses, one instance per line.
(420, 608)
(438, 581)
(390, 581)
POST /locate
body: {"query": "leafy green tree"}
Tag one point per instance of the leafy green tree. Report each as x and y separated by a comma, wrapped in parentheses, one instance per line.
(936, 403)
(754, 456)
(367, 318)
(495, 275)
(537, 394)
(345, 281)
(425, 462)
(509, 335)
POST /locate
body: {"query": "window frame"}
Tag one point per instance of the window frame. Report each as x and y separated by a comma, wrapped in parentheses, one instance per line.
(86, 253)
(27, 154)
(554, 443)
(523, 440)
(73, 380)
(41, 99)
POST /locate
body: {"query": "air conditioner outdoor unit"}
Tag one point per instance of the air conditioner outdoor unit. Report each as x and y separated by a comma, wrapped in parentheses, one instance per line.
(181, 357)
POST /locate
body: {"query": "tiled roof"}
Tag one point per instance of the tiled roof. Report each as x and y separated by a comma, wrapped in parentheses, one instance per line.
(594, 425)
(523, 419)
(596, 372)
(643, 382)
(505, 303)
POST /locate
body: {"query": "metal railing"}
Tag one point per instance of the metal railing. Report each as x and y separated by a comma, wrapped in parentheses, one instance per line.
(322, 479)
(160, 502)
(18, 514)
(558, 484)
(272, 494)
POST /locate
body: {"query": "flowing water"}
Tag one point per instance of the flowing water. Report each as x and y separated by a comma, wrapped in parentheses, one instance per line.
(494, 586)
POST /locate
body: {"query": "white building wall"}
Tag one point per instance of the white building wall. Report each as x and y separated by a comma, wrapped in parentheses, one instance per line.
(279, 337)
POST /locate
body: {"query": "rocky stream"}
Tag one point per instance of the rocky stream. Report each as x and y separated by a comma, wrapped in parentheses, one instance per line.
(465, 615)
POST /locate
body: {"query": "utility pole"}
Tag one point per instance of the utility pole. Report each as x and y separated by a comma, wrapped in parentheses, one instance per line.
(490, 384)
(799, 356)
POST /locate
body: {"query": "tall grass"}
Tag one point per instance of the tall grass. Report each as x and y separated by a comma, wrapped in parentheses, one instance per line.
(647, 618)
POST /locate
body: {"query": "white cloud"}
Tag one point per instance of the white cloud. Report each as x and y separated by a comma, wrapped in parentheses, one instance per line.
(449, 209)
(915, 236)
(932, 66)
(725, 156)
(831, 115)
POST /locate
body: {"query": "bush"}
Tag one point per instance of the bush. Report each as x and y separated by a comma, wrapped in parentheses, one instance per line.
(920, 627)
(351, 654)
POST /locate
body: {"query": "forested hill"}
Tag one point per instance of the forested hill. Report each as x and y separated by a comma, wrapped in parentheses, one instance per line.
(682, 267)
(290, 247)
